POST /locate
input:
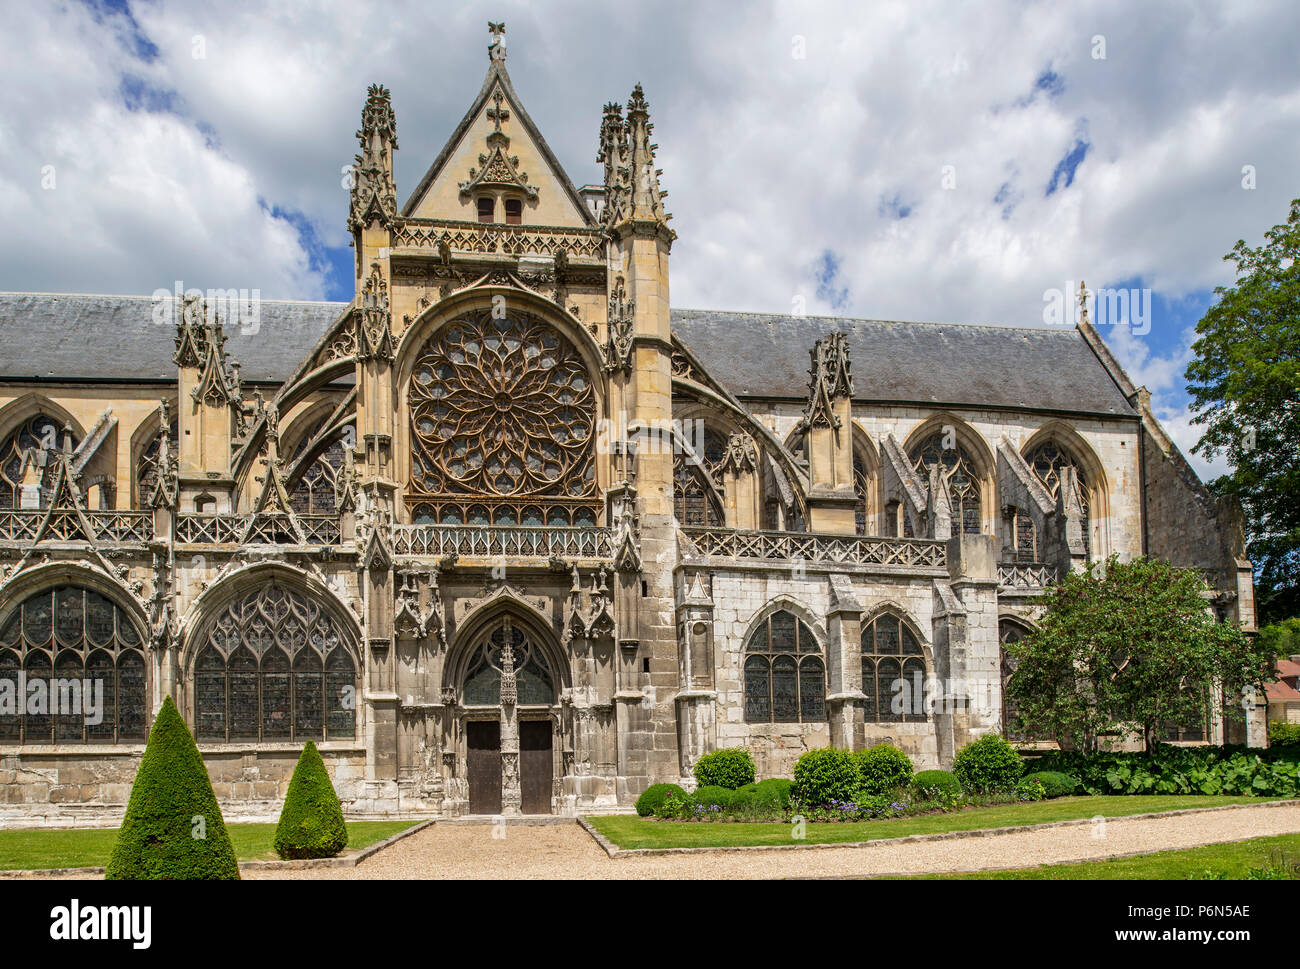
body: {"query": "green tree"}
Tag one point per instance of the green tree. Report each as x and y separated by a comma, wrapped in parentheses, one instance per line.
(1245, 389)
(311, 821)
(1129, 646)
(173, 827)
(1282, 638)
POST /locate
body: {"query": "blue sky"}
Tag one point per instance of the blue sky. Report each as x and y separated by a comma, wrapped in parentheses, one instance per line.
(913, 161)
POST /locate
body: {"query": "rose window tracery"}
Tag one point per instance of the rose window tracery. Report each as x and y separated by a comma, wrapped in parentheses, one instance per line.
(503, 411)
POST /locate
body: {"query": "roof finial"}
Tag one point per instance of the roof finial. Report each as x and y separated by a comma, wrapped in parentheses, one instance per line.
(1083, 303)
(497, 49)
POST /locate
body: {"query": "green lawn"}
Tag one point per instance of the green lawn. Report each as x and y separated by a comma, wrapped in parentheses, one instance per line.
(1232, 858)
(629, 831)
(90, 847)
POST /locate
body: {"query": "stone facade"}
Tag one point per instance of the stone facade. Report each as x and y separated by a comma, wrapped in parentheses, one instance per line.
(291, 550)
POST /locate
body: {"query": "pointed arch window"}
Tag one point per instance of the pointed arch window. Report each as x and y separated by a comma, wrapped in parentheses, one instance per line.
(534, 682)
(695, 502)
(1048, 460)
(72, 670)
(38, 433)
(315, 491)
(1009, 633)
(273, 666)
(963, 482)
(894, 677)
(785, 677)
(502, 411)
(146, 466)
(860, 490)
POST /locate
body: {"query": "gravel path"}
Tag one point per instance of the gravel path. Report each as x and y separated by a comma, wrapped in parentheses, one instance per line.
(567, 851)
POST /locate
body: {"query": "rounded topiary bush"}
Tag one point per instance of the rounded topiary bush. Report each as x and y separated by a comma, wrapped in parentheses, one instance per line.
(823, 775)
(730, 767)
(711, 795)
(989, 764)
(931, 785)
(882, 768)
(655, 795)
(1055, 784)
(173, 827)
(311, 821)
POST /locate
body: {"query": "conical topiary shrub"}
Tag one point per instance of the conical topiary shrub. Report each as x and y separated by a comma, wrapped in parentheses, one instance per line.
(173, 826)
(311, 821)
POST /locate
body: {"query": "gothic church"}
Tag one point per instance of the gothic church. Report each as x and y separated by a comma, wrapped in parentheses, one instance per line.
(509, 534)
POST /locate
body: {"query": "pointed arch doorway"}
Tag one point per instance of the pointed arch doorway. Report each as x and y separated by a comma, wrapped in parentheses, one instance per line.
(508, 696)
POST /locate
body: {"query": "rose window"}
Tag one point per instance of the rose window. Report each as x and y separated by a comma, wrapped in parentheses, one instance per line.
(502, 414)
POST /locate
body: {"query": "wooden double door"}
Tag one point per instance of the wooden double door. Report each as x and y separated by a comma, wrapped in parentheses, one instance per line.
(483, 766)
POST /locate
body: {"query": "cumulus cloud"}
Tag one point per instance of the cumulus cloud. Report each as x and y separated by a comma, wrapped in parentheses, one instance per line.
(917, 160)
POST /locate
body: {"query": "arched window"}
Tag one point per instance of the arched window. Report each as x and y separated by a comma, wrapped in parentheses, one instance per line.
(893, 672)
(963, 483)
(84, 669)
(1008, 633)
(503, 415)
(694, 501)
(860, 486)
(534, 683)
(1024, 534)
(273, 666)
(315, 491)
(1047, 461)
(39, 433)
(146, 466)
(785, 679)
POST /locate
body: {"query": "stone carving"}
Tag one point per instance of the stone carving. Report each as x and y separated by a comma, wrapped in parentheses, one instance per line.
(374, 193)
(166, 485)
(829, 379)
(618, 348)
(374, 322)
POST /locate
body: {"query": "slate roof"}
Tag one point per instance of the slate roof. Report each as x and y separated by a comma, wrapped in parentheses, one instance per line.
(61, 336)
(762, 355)
(52, 336)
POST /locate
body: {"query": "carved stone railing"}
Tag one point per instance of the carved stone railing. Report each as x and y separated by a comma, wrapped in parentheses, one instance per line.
(492, 541)
(120, 527)
(267, 529)
(513, 240)
(892, 553)
(1026, 575)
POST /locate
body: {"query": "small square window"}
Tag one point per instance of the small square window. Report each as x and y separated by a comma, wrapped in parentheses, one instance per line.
(486, 209)
(514, 211)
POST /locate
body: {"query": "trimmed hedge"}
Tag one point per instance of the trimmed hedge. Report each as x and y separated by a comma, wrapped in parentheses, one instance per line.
(1271, 772)
(988, 765)
(823, 775)
(1055, 784)
(774, 791)
(1283, 734)
(311, 821)
(883, 768)
(710, 795)
(931, 785)
(654, 796)
(173, 827)
(730, 767)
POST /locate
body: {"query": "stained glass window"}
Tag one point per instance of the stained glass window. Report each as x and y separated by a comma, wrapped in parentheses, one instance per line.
(503, 410)
(963, 484)
(85, 672)
(534, 683)
(314, 492)
(274, 666)
(1047, 461)
(146, 466)
(38, 433)
(780, 687)
(695, 502)
(1008, 633)
(893, 673)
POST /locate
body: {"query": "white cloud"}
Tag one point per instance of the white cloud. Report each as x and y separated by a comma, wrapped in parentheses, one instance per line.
(771, 160)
